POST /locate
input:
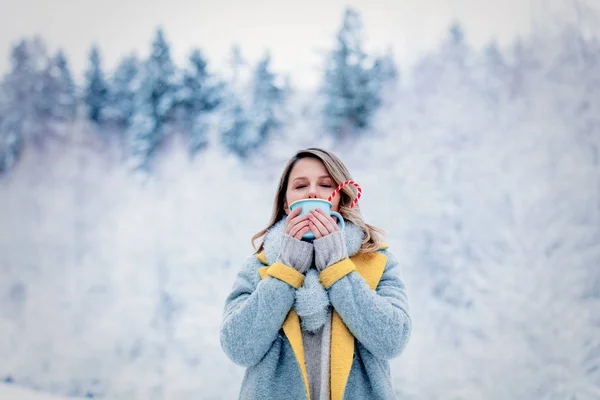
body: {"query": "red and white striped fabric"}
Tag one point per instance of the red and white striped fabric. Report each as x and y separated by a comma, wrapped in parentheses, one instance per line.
(336, 191)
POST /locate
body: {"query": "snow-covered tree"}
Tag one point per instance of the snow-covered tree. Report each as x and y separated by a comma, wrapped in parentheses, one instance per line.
(237, 64)
(68, 97)
(142, 136)
(455, 48)
(11, 142)
(124, 84)
(525, 64)
(57, 101)
(253, 112)
(237, 135)
(198, 94)
(386, 78)
(37, 91)
(447, 69)
(96, 88)
(159, 80)
(493, 74)
(351, 95)
(24, 110)
(154, 103)
(267, 100)
(385, 69)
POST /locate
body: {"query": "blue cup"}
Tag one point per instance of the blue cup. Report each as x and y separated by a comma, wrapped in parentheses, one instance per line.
(312, 204)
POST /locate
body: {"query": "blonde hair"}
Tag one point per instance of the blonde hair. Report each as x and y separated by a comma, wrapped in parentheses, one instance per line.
(373, 236)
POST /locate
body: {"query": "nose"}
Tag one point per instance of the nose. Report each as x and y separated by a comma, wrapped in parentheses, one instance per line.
(312, 194)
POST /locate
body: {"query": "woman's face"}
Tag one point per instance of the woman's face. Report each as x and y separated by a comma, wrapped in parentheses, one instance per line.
(309, 180)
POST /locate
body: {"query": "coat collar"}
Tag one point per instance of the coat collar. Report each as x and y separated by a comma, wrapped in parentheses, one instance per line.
(272, 243)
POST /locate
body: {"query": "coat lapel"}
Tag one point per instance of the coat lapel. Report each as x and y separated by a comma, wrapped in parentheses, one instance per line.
(370, 266)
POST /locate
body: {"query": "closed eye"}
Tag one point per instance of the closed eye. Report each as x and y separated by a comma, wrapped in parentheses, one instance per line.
(301, 186)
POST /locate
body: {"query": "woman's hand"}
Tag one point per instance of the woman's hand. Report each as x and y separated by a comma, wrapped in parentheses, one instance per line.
(296, 226)
(294, 251)
(321, 223)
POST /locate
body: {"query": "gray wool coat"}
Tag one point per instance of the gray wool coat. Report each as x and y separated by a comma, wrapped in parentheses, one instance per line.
(370, 323)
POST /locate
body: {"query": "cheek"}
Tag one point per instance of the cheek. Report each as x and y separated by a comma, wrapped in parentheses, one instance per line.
(290, 197)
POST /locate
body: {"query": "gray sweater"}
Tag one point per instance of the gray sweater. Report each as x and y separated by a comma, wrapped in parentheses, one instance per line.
(316, 350)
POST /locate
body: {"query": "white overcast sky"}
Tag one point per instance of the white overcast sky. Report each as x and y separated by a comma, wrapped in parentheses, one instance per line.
(294, 31)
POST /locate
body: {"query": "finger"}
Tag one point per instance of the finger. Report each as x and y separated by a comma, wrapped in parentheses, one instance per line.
(294, 213)
(299, 219)
(334, 218)
(297, 228)
(334, 221)
(302, 232)
(326, 220)
(314, 230)
(290, 218)
(319, 225)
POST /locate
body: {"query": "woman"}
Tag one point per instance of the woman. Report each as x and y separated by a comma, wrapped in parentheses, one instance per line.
(317, 319)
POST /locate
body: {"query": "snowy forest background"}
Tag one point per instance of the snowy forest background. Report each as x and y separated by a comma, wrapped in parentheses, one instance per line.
(127, 201)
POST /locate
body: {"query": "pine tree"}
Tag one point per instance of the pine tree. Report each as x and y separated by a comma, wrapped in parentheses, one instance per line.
(249, 121)
(154, 103)
(494, 74)
(141, 135)
(159, 82)
(61, 88)
(494, 59)
(96, 90)
(198, 94)
(385, 76)
(199, 91)
(24, 103)
(237, 62)
(267, 99)
(11, 142)
(455, 48)
(448, 68)
(525, 64)
(350, 95)
(236, 133)
(123, 87)
(24, 108)
(385, 69)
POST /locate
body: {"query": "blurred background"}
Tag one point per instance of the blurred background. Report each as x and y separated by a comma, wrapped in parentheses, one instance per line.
(141, 145)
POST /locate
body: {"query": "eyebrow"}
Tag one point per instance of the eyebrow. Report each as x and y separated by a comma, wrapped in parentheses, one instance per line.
(303, 177)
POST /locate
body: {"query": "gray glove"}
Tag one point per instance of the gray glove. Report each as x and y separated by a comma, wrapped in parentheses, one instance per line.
(312, 301)
(295, 253)
(330, 249)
